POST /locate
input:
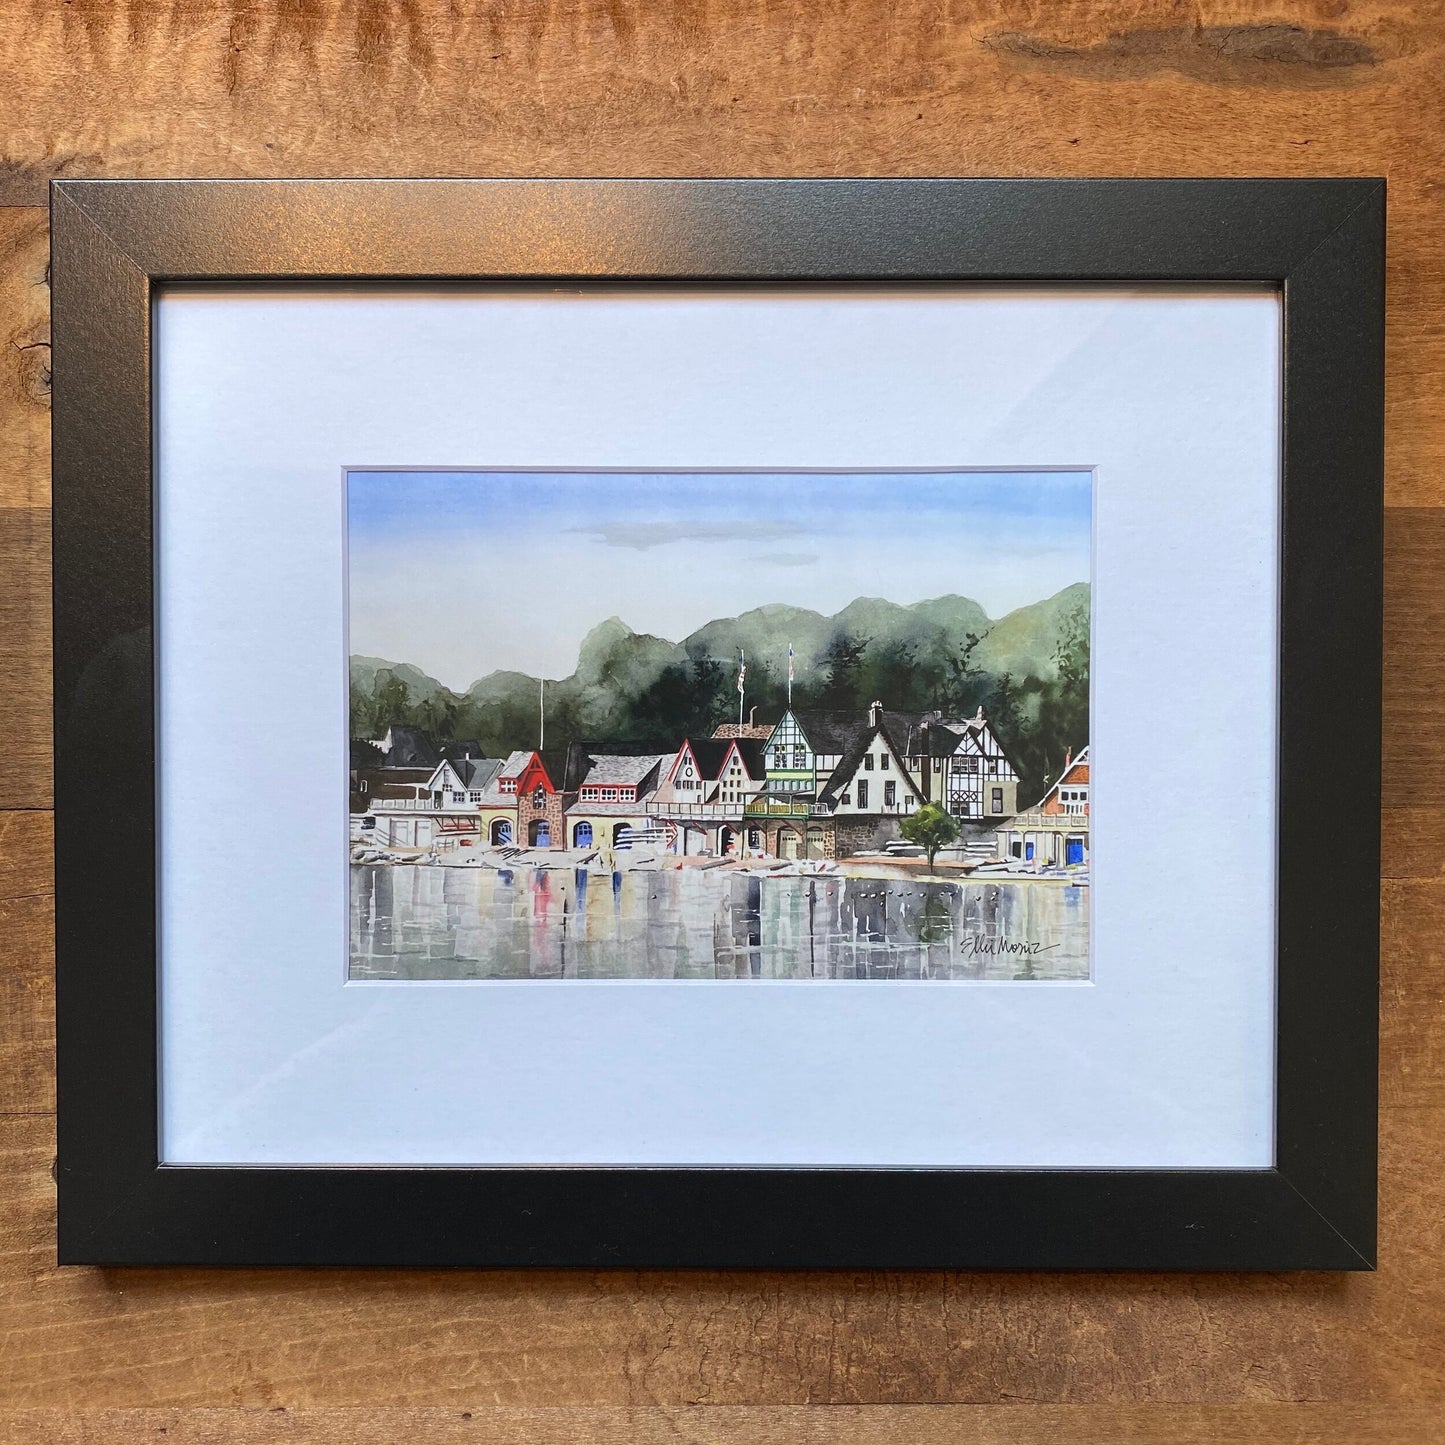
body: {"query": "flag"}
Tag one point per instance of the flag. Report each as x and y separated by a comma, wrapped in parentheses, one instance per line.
(742, 668)
(790, 662)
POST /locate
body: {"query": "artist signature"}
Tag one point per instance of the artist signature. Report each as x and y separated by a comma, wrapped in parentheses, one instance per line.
(979, 947)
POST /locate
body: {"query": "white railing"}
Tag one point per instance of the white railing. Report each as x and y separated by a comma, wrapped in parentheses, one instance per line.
(1064, 822)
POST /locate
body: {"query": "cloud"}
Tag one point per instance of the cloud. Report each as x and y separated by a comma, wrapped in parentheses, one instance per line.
(788, 559)
(641, 536)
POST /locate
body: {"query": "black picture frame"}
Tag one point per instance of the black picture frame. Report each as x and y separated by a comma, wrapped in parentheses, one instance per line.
(1320, 241)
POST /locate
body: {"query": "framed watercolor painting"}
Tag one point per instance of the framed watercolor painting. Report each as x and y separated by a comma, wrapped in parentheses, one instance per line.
(718, 723)
(863, 788)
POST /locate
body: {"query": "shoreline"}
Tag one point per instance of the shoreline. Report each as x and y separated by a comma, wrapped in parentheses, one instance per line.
(598, 862)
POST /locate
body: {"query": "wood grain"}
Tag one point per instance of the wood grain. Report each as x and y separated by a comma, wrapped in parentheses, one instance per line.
(695, 87)
(87, 1339)
(739, 1425)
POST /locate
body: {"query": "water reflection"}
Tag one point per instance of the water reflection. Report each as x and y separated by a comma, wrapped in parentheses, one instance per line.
(432, 923)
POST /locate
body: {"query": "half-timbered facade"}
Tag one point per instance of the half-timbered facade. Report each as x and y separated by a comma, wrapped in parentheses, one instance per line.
(982, 780)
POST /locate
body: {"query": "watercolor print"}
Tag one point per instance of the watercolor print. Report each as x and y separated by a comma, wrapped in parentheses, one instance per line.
(719, 725)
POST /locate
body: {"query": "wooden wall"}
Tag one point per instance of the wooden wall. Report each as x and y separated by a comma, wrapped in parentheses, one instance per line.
(703, 87)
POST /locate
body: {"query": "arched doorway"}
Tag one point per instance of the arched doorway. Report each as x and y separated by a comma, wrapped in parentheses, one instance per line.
(621, 836)
(582, 835)
(539, 833)
(790, 845)
(501, 834)
(815, 841)
(727, 839)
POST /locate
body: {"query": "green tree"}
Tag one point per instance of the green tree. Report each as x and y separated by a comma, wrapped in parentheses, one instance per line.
(391, 701)
(930, 828)
(964, 685)
(844, 663)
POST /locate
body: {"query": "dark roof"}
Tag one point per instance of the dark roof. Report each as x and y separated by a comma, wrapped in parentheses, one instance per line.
(916, 734)
(709, 753)
(557, 762)
(712, 752)
(753, 752)
(475, 772)
(842, 775)
(365, 754)
(830, 732)
(411, 748)
(460, 748)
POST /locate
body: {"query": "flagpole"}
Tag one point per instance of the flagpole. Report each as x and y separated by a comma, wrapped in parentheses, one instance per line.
(790, 677)
(742, 673)
(541, 713)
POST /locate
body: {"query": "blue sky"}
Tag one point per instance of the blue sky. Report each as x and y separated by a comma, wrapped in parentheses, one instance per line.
(465, 572)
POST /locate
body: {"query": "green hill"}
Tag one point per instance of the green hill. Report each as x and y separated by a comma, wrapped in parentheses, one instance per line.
(1028, 670)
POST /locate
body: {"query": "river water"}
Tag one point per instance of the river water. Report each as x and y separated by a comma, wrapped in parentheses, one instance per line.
(427, 922)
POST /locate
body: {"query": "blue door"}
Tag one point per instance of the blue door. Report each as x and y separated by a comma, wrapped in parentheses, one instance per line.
(582, 835)
(541, 834)
(1074, 850)
(1028, 852)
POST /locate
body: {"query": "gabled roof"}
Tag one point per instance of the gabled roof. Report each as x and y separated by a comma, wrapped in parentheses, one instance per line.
(476, 772)
(830, 732)
(409, 747)
(843, 775)
(515, 763)
(712, 755)
(753, 752)
(1075, 774)
(921, 734)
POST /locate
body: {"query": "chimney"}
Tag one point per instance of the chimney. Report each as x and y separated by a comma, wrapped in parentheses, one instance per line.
(752, 712)
(1068, 758)
(875, 715)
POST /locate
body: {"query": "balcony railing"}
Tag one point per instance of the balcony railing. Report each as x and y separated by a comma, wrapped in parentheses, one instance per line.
(1062, 822)
(695, 810)
(786, 808)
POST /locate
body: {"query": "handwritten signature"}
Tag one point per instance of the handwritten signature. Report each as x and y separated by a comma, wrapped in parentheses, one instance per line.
(977, 946)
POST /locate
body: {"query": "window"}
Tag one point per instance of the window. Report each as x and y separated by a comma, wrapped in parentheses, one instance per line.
(780, 758)
(458, 797)
(800, 757)
(846, 800)
(938, 765)
(997, 800)
(867, 762)
(367, 823)
(883, 761)
(890, 794)
(474, 796)
(361, 786)
(862, 793)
